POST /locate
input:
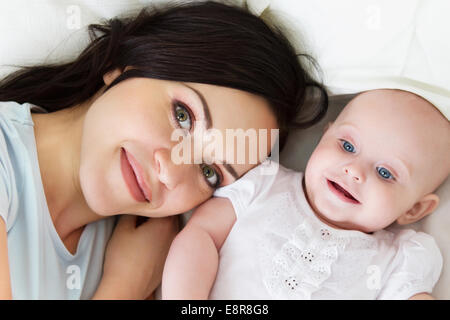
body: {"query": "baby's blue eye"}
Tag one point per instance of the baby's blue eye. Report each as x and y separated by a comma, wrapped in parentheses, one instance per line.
(348, 146)
(384, 173)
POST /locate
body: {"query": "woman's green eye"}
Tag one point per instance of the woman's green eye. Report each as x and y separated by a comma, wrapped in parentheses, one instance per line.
(210, 175)
(183, 117)
(207, 172)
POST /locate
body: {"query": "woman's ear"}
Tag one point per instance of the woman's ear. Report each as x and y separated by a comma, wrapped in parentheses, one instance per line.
(110, 76)
(421, 209)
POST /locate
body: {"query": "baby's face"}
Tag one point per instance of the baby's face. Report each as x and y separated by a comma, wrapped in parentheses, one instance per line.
(385, 151)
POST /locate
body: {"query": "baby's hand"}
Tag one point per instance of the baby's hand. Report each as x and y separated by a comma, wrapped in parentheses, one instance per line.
(135, 256)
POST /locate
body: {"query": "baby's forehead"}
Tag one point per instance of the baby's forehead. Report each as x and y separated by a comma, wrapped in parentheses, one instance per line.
(395, 108)
(398, 120)
(390, 100)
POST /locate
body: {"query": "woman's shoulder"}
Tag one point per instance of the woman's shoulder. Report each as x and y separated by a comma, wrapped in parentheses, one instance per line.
(17, 112)
(16, 139)
(16, 126)
(16, 131)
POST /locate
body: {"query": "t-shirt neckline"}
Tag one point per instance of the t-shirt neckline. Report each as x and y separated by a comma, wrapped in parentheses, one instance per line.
(57, 241)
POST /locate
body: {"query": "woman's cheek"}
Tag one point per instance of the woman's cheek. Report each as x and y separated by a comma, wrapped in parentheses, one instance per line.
(186, 198)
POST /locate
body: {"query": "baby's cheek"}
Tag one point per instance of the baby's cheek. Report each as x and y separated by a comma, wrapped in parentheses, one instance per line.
(322, 158)
(313, 171)
(384, 207)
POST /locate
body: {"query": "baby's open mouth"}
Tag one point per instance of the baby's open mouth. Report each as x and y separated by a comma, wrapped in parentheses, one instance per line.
(341, 192)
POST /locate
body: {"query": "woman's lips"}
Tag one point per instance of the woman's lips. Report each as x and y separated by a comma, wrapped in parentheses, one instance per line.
(132, 175)
(341, 193)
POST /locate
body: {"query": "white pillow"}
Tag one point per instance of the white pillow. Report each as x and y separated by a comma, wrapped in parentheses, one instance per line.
(365, 44)
(41, 31)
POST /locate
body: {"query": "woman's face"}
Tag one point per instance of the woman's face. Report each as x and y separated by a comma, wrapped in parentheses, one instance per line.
(140, 115)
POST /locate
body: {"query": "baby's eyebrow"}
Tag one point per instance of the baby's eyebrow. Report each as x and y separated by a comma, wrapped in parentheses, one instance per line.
(404, 167)
(352, 130)
(348, 125)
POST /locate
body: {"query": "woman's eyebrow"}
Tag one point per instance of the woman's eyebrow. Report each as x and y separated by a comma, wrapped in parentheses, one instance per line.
(207, 114)
(204, 105)
(230, 170)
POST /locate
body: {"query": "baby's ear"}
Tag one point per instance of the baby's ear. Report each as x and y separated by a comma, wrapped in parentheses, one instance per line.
(421, 209)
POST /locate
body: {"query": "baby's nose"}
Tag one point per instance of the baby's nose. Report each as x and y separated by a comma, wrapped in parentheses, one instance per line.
(354, 172)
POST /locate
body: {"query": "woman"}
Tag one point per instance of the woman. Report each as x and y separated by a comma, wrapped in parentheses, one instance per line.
(105, 146)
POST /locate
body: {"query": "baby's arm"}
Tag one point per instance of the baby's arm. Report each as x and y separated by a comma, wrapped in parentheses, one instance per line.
(422, 296)
(193, 259)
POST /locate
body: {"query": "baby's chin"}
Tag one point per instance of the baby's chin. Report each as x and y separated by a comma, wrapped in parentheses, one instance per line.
(342, 219)
(335, 212)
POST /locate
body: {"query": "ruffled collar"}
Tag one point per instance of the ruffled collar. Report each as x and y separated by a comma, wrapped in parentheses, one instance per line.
(299, 253)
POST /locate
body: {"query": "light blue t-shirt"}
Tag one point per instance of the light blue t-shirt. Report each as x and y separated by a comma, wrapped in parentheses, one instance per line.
(40, 265)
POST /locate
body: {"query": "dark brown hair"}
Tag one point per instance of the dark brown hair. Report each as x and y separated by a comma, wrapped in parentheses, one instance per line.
(204, 42)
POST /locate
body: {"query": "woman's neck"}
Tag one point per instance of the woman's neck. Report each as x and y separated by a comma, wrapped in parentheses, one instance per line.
(58, 141)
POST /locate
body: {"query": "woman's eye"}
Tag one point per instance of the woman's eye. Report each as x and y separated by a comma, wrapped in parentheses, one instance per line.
(384, 173)
(211, 176)
(183, 116)
(348, 146)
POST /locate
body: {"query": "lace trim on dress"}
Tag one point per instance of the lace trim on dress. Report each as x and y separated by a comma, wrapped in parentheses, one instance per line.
(298, 253)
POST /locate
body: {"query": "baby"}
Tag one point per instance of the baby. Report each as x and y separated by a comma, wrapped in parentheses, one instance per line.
(321, 234)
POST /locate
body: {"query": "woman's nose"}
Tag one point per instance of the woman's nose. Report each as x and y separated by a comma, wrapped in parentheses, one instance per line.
(169, 173)
(354, 172)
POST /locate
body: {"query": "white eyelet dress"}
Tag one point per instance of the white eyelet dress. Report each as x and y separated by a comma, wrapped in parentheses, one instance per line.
(279, 249)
